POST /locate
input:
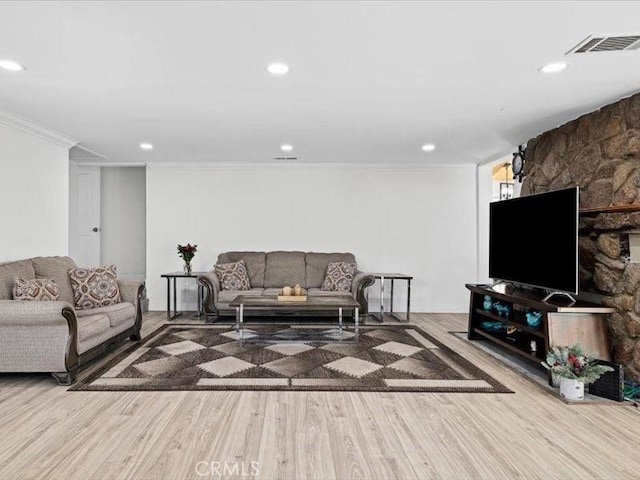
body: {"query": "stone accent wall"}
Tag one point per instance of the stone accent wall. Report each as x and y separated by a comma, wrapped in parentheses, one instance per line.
(600, 152)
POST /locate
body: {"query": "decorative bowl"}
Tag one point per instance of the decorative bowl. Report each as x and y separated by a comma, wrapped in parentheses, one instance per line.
(493, 326)
(534, 319)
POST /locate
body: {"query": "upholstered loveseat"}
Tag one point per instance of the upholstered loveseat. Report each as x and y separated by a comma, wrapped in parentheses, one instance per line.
(54, 336)
(268, 272)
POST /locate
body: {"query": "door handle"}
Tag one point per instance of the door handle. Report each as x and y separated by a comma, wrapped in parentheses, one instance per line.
(96, 229)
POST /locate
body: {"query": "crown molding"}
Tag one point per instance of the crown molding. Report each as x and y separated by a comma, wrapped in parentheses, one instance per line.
(79, 153)
(108, 164)
(27, 126)
(299, 165)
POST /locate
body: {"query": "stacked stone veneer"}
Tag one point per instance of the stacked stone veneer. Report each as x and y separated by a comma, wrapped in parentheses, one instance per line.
(600, 152)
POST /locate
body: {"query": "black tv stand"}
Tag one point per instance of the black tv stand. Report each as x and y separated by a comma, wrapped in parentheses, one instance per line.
(562, 324)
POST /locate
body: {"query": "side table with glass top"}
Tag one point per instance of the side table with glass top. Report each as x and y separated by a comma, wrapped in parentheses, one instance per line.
(383, 277)
(171, 287)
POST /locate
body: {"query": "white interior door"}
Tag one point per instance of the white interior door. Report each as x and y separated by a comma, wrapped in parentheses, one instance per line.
(84, 205)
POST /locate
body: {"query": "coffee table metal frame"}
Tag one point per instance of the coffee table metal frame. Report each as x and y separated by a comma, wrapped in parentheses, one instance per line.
(313, 304)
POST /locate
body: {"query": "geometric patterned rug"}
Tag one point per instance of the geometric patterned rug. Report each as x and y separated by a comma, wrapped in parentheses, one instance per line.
(390, 358)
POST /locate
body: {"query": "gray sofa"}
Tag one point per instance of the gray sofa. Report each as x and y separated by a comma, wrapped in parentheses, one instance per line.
(51, 336)
(270, 271)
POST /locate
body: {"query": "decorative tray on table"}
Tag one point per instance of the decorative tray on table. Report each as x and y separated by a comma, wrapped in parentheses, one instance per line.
(292, 298)
(293, 294)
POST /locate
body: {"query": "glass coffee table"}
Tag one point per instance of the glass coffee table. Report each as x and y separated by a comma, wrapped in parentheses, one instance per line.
(336, 303)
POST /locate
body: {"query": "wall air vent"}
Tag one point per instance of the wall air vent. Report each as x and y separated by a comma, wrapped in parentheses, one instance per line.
(285, 158)
(607, 43)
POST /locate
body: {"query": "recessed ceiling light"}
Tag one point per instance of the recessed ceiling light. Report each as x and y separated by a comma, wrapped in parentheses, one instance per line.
(286, 147)
(278, 68)
(11, 65)
(553, 67)
(428, 147)
(146, 146)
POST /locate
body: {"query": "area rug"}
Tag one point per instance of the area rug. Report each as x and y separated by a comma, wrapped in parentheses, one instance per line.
(290, 357)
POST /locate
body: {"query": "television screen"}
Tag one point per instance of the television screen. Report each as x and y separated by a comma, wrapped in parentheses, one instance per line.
(533, 240)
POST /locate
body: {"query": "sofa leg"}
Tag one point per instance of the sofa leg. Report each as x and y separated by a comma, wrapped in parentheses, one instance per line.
(66, 378)
(135, 337)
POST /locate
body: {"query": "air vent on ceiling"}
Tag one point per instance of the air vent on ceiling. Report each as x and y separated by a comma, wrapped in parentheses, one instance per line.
(285, 158)
(607, 43)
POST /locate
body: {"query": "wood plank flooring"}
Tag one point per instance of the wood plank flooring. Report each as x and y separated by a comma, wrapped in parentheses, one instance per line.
(47, 432)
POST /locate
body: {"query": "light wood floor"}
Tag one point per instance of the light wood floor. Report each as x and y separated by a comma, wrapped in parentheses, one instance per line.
(49, 433)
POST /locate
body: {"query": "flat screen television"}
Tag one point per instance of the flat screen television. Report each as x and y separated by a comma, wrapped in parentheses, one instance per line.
(533, 240)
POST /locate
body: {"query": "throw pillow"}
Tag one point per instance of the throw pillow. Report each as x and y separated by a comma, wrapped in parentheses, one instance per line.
(339, 277)
(42, 289)
(233, 276)
(94, 287)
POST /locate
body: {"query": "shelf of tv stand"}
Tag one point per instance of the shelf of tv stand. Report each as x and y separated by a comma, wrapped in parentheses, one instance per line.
(562, 323)
(515, 323)
(506, 345)
(533, 300)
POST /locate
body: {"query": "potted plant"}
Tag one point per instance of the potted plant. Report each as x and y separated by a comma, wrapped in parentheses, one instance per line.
(186, 252)
(575, 370)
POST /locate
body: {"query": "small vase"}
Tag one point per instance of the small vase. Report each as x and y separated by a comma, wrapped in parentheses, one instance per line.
(187, 268)
(571, 389)
(554, 379)
(487, 304)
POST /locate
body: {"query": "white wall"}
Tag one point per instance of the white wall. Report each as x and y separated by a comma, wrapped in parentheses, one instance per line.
(34, 196)
(488, 191)
(420, 221)
(123, 220)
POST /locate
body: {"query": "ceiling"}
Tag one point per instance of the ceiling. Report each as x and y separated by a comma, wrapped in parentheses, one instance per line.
(370, 82)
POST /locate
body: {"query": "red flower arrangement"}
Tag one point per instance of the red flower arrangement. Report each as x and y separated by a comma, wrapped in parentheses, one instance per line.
(187, 252)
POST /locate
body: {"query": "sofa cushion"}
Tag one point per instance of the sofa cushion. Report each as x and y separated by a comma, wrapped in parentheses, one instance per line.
(254, 261)
(233, 276)
(8, 273)
(117, 314)
(41, 289)
(92, 325)
(285, 268)
(226, 296)
(94, 287)
(58, 269)
(339, 277)
(317, 264)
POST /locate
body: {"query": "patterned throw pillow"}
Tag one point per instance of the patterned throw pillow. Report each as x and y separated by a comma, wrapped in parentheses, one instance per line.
(94, 287)
(339, 277)
(42, 289)
(233, 276)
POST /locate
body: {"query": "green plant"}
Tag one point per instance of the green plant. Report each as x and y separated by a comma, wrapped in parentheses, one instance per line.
(572, 362)
(187, 252)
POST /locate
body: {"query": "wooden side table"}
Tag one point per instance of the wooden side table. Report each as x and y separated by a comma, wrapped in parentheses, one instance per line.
(383, 277)
(171, 279)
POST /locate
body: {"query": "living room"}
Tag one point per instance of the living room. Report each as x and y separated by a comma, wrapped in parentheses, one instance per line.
(368, 128)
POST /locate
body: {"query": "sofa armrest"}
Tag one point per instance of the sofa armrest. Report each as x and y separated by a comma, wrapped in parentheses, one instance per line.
(362, 281)
(131, 291)
(41, 316)
(26, 313)
(211, 285)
